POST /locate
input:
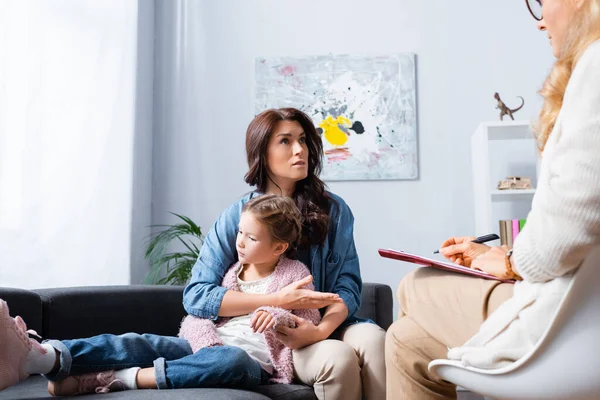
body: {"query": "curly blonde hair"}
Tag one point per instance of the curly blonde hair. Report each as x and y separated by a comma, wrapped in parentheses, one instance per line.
(584, 30)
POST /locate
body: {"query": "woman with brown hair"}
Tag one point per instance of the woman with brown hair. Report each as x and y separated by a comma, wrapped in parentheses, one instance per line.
(442, 314)
(341, 356)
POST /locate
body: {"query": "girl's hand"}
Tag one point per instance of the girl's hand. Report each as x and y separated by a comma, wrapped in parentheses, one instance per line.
(304, 334)
(261, 321)
(293, 297)
(462, 250)
(493, 262)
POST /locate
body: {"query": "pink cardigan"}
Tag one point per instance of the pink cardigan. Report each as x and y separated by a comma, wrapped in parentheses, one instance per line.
(202, 332)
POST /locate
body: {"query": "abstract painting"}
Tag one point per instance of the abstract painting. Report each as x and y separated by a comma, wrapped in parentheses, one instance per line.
(364, 107)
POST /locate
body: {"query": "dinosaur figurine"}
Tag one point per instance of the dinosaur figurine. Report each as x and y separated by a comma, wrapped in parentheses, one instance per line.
(504, 110)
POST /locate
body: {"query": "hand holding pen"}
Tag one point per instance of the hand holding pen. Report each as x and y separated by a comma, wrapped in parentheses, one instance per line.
(463, 250)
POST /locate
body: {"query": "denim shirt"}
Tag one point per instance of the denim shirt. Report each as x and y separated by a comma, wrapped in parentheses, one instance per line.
(333, 264)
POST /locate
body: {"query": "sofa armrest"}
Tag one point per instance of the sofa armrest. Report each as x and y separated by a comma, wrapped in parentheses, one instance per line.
(25, 303)
(377, 304)
(77, 312)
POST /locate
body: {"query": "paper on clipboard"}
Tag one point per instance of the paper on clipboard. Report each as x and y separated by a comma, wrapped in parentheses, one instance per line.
(428, 262)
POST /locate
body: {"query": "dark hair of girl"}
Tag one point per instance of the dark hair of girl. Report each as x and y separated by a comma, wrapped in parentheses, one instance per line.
(309, 195)
(280, 216)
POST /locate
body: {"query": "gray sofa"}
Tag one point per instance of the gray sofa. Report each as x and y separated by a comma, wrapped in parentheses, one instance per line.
(68, 313)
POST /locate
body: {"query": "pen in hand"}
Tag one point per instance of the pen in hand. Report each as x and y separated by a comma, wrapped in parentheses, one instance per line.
(480, 240)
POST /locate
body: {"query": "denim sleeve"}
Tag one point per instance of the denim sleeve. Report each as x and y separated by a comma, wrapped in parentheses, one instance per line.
(349, 283)
(203, 295)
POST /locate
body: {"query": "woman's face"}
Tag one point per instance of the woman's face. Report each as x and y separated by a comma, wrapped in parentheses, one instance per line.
(287, 153)
(557, 15)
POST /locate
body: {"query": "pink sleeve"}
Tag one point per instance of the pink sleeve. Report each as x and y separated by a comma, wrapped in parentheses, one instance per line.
(199, 333)
(313, 316)
(282, 317)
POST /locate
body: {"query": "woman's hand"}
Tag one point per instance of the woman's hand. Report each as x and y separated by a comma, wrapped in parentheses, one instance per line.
(293, 297)
(261, 321)
(462, 250)
(493, 262)
(304, 334)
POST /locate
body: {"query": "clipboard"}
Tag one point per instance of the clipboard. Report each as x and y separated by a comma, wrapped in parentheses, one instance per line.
(446, 266)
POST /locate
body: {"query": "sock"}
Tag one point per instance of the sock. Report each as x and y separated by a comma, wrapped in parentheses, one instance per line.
(38, 363)
(128, 377)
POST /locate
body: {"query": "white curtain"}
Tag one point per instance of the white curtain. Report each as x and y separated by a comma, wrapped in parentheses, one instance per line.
(100, 134)
(67, 130)
(180, 100)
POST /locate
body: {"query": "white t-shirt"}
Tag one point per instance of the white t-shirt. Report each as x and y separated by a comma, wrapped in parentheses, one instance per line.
(237, 332)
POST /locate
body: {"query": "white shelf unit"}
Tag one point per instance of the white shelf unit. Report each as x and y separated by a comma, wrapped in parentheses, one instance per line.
(512, 193)
(501, 149)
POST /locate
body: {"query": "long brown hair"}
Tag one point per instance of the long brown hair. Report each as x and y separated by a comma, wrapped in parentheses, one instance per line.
(584, 29)
(280, 216)
(309, 194)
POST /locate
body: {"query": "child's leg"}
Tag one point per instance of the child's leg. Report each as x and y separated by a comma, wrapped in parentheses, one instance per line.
(21, 356)
(219, 366)
(146, 379)
(112, 352)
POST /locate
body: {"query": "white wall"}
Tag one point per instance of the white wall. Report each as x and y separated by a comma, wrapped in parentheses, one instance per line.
(67, 94)
(465, 50)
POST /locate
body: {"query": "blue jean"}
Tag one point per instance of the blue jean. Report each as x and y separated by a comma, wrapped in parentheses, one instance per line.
(175, 365)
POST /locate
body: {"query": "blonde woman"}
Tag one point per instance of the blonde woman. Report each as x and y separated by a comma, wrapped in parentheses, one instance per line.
(442, 314)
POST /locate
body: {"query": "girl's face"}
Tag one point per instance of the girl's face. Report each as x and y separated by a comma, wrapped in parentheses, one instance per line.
(287, 153)
(556, 17)
(254, 243)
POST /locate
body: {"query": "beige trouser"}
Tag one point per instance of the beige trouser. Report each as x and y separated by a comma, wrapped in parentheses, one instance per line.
(438, 310)
(345, 369)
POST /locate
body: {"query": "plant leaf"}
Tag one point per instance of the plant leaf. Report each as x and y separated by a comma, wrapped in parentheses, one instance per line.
(173, 267)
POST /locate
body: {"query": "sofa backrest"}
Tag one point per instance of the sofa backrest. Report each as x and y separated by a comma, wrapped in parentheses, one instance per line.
(77, 312)
(25, 303)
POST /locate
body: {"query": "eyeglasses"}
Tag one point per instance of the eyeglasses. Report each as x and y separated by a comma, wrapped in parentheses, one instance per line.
(535, 8)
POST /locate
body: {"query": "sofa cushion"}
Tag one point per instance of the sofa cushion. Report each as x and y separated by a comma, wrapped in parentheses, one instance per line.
(288, 392)
(79, 312)
(36, 388)
(25, 303)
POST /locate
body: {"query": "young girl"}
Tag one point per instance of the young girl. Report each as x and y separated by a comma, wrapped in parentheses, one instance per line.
(269, 227)
(240, 352)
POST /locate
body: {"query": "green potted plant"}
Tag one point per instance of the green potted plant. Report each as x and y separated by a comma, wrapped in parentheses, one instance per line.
(173, 267)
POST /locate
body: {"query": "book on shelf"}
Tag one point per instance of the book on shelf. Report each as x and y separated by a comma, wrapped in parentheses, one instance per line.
(521, 224)
(509, 230)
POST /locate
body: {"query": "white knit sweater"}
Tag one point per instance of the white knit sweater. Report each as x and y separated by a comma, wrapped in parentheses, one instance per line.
(564, 222)
(561, 229)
